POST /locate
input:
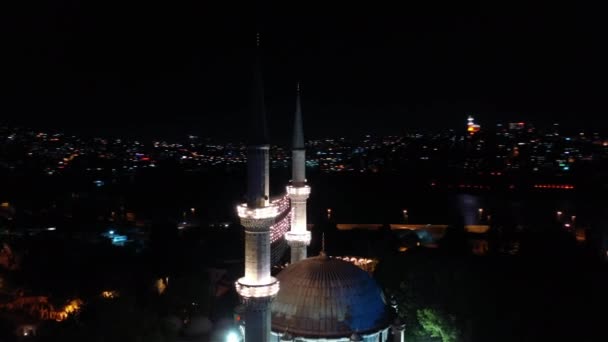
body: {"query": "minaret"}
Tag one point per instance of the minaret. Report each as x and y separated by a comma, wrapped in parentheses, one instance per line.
(298, 237)
(398, 331)
(257, 288)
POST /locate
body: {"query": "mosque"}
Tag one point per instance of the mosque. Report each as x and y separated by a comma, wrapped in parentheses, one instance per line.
(317, 298)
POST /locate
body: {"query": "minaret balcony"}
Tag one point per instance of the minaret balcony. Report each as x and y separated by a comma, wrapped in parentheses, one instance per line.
(300, 191)
(249, 289)
(298, 238)
(245, 212)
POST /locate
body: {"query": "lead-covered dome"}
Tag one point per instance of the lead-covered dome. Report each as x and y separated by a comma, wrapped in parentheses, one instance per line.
(327, 297)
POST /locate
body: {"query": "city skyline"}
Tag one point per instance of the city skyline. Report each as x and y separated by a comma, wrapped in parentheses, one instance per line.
(186, 68)
(211, 171)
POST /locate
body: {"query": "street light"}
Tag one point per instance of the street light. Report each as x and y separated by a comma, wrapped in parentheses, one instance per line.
(232, 337)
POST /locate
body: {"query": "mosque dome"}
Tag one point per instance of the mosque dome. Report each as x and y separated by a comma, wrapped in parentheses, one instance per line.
(324, 297)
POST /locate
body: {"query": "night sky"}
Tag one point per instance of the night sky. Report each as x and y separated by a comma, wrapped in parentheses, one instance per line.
(148, 69)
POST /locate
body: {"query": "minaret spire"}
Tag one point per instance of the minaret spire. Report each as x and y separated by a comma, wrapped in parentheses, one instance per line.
(259, 130)
(258, 178)
(298, 128)
(298, 237)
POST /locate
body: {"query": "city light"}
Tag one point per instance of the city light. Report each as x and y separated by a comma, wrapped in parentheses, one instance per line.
(472, 127)
(109, 294)
(554, 186)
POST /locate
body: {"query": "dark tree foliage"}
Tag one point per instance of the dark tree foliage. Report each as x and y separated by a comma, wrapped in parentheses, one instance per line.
(550, 291)
(120, 319)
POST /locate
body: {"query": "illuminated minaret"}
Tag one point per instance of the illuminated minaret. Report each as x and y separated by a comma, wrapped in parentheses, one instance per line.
(257, 288)
(298, 237)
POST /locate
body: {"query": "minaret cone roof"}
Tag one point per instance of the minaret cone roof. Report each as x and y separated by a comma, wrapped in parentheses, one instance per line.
(298, 128)
(258, 128)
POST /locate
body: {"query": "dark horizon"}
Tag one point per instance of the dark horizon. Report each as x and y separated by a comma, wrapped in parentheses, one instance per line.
(176, 69)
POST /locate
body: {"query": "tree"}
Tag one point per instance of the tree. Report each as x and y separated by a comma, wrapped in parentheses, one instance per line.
(422, 280)
(438, 324)
(120, 319)
(191, 288)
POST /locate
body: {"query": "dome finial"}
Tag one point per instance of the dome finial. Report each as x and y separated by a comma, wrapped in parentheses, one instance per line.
(323, 242)
(322, 254)
(287, 337)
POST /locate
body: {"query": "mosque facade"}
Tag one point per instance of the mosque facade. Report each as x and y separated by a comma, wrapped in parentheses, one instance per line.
(316, 298)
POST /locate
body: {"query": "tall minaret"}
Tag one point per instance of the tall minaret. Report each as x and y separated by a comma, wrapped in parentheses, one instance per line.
(257, 288)
(298, 237)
